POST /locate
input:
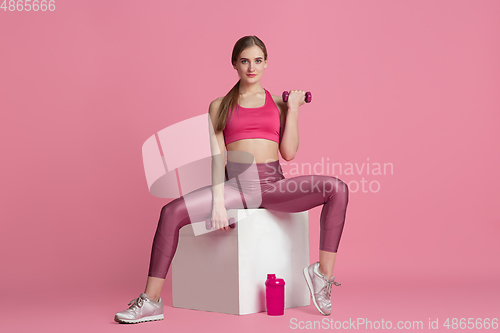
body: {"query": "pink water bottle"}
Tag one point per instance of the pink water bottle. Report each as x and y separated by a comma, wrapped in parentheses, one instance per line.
(275, 295)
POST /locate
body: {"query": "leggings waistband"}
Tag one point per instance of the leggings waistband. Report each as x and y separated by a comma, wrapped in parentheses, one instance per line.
(267, 171)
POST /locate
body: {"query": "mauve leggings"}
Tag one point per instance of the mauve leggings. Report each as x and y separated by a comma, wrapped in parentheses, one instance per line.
(258, 185)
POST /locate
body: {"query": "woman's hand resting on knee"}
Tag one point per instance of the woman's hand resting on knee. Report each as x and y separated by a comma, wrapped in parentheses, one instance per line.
(220, 219)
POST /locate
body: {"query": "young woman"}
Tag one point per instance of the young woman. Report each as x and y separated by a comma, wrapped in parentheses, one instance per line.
(254, 126)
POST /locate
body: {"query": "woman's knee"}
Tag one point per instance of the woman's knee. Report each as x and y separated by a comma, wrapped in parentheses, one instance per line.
(338, 188)
(343, 187)
(173, 210)
(167, 208)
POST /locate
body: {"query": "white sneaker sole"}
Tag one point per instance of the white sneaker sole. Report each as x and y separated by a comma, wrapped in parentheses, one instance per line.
(311, 290)
(140, 320)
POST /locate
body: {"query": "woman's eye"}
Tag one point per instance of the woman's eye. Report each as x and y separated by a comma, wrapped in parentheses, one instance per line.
(259, 61)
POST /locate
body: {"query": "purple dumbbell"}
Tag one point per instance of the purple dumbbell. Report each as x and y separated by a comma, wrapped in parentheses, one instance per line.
(208, 223)
(307, 98)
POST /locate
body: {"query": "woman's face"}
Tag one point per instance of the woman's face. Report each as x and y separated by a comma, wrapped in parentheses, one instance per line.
(250, 64)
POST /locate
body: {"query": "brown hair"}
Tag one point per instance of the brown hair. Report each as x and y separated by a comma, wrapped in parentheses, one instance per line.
(231, 99)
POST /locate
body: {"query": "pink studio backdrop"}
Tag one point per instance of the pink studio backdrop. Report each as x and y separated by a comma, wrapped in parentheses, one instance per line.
(410, 84)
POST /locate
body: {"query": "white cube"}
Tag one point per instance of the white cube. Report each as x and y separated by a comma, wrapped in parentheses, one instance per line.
(225, 271)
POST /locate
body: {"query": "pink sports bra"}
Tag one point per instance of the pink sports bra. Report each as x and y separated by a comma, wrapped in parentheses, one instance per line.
(254, 123)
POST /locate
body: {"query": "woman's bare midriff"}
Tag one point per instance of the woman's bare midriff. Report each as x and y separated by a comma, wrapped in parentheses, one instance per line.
(263, 150)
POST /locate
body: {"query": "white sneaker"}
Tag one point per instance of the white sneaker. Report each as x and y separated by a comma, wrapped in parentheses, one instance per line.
(142, 309)
(320, 288)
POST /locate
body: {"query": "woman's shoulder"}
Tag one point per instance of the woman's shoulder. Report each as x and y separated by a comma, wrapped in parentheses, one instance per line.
(215, 106)
(217, 101)
(278, 100)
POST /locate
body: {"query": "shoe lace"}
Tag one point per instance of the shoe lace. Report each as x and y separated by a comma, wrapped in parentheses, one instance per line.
(138, 302)
(328, 286)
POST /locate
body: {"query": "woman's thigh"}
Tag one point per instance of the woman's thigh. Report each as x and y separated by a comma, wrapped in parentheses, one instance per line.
(198, 203)
(301, 193)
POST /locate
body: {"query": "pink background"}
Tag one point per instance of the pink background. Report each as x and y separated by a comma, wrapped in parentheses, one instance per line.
(412, 83)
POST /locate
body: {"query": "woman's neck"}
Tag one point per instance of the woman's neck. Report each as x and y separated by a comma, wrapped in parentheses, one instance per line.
(250, 89)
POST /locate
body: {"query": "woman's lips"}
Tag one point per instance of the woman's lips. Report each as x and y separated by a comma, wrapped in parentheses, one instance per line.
(251, 75)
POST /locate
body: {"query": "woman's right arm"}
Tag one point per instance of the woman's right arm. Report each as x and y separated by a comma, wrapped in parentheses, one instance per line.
(219, 213)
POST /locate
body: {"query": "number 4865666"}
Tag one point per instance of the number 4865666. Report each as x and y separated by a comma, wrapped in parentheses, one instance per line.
(470, 323)
(28, 5)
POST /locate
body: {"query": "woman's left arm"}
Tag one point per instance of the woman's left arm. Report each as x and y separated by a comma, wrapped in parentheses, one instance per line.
(289, 120)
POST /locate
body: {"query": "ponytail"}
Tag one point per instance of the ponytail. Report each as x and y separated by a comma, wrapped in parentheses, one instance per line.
(228, 103)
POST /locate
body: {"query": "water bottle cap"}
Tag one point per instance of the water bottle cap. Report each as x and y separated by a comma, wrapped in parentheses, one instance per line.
(271, 276)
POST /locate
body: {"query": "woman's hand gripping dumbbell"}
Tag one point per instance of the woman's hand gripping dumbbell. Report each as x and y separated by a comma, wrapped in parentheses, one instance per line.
(307, 98)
